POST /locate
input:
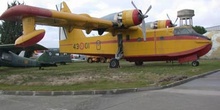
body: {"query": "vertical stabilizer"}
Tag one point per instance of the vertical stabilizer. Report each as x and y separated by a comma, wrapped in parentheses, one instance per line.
(63, 7)
(68, 35)
(45, 57)
(21, 54)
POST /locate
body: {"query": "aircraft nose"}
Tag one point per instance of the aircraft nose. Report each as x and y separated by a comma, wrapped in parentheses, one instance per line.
(204, 39)
(205, 45)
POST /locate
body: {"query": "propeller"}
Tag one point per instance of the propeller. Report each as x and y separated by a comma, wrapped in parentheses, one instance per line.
(142, 17)
(175, 21)
(173, 24)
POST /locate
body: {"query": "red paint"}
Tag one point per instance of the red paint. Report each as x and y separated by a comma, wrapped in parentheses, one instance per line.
(188, 58)
(81, 46)
(136, 17)
(168, 23)
(17, 12)
(106, 42)
(32, 41)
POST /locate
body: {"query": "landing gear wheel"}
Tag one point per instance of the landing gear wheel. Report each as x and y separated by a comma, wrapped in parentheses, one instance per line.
(89, 60)
(103, 60)
(138, 63)
(195, 63)
(114, 63)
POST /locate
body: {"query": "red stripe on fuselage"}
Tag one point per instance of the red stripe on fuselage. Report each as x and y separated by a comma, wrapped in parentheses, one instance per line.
(105, 42)
(162, 38)
(149, 39)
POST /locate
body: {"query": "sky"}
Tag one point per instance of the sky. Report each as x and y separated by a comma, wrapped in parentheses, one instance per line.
(206, 11)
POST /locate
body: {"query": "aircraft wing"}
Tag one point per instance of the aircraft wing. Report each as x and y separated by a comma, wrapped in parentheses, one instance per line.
(126, 20)
(15, 49)
(63, 17)
(31, 16)
(55, 18)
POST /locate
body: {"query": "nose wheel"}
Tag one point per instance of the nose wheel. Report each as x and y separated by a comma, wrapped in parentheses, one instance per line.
(195, 63)
(114, 63)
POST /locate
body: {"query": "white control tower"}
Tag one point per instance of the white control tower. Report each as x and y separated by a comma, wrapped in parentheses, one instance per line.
(185, 17)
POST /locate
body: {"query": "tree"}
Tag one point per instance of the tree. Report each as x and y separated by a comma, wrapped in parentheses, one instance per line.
(10, 30)
(199, 29)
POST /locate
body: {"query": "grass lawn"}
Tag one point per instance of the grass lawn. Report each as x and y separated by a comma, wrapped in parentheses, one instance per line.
(97, 76)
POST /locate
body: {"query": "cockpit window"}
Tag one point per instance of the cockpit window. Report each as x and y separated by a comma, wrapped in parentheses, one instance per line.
(185, 31)
(181, 31)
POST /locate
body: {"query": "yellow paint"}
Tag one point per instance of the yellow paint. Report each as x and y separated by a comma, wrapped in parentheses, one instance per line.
(26, 37)
(81, 21)
(65, 8)
(127, 18)
(155, 46)
(107, 44)
(28, 24)
(161, 24)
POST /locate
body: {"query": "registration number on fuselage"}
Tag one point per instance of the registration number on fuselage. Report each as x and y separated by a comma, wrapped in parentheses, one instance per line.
(81, 46)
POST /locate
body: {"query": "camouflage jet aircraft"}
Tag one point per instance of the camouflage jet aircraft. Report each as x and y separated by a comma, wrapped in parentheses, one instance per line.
(9, 58)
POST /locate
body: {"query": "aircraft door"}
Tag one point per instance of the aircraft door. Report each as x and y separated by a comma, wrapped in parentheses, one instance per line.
(161, 42)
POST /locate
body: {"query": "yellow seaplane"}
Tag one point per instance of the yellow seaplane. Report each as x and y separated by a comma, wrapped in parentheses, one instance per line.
(120, 35)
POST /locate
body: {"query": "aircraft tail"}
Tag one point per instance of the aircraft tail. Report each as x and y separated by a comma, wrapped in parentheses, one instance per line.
(63, 7)
(68, 34)
(45, 61)
(73, 41)
(44, 58)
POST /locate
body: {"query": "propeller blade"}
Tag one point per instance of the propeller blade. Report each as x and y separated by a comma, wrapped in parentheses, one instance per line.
(144, 29)
(168, 17)
(173, 24)
(143, 16)
(176, 20)
(134, 5)
(148, 10)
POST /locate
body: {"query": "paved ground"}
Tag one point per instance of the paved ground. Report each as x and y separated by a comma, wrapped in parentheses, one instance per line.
(199, 94)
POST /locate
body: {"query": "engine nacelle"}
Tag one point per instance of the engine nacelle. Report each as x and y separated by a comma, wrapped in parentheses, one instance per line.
(125, 18)
(130, 18)
(160, 24)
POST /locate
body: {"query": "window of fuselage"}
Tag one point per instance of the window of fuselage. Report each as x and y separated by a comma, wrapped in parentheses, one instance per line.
(181, 31)
(6, 57)
(185, 31)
